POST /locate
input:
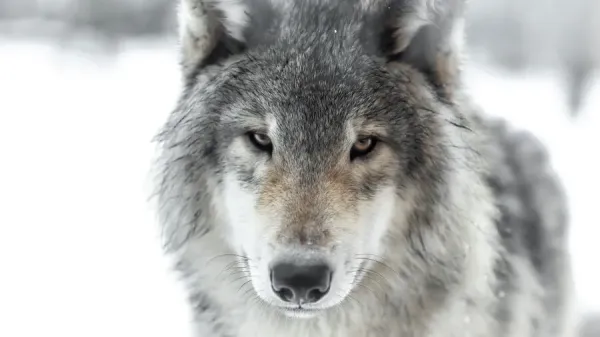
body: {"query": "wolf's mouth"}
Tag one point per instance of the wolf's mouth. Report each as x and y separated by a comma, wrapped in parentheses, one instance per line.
(300, 312)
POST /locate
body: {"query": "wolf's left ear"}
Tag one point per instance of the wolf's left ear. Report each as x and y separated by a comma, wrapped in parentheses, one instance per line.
(426, 34)
(210, 30)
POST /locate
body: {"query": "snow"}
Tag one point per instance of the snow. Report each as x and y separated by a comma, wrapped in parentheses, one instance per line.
(79, 253)
(79, 250)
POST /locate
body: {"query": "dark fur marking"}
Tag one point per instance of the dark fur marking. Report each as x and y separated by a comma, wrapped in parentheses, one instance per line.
(524, 231)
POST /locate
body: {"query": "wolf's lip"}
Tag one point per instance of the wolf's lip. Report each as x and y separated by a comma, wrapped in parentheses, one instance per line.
(300, 312)
(300, 309)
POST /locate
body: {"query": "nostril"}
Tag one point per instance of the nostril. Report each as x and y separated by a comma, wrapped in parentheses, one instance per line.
(285, 294)
(315, 295)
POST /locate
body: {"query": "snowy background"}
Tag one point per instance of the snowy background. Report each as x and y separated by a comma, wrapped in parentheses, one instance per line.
(83, 89)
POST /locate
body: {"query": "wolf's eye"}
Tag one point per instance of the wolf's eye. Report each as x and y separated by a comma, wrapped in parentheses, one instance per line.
(362, 147)
(261, 141)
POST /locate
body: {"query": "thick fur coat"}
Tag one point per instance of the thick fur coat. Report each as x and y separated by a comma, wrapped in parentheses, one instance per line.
(337, 132)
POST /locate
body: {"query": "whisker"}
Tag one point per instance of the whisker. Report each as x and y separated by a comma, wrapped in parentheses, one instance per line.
(378, 261)
(240, 288)
(239, 278)
(369, 289)
(229, 266)
(241, 272)
(245, 258)
(368, 276)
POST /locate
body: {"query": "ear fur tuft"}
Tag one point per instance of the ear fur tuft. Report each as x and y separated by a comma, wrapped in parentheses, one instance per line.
(428, 34)
(203, 23)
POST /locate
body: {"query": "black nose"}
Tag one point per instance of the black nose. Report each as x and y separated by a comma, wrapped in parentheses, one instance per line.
(300, 284)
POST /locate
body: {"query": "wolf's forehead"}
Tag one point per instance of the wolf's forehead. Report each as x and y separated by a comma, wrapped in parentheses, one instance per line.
(311, 118)
(314, 99)
(332, 21)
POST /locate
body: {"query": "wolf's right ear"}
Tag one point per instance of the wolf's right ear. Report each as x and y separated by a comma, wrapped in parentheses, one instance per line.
(210, 30)
(428, 35)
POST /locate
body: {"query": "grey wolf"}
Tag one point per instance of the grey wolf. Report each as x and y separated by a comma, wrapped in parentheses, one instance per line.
(324, 174)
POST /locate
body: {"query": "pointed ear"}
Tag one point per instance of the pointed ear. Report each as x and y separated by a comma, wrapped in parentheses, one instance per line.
(210, 30)
(427, 34)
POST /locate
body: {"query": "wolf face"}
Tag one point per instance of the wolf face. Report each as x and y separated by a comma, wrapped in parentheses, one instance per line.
(307, 133)
(310, 169)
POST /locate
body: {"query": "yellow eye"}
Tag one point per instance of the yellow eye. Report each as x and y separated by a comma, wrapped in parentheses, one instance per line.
(261, 141)
(362, 147)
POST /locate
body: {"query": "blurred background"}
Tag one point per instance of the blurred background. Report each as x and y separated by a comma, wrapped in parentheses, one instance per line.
(85, 84)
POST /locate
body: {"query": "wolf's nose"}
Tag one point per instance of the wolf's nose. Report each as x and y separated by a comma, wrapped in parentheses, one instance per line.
(300, 284)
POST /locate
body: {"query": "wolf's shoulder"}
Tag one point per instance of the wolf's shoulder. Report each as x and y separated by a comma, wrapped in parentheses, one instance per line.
(532, 223)
(527, 190)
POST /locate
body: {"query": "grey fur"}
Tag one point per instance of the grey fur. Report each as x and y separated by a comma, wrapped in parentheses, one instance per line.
(454, 226)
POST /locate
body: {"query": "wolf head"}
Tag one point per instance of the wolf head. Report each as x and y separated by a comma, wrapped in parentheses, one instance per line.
(309, 133)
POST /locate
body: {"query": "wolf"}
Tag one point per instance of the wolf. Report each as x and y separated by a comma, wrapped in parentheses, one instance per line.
(324, 173)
